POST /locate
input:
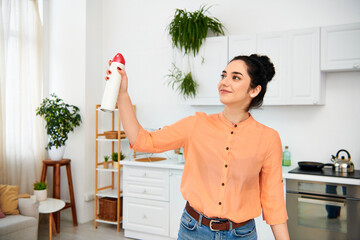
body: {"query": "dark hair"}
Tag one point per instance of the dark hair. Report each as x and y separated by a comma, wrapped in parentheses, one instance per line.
(261, 71)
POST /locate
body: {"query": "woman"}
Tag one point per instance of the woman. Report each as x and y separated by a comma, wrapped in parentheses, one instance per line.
(232, 165)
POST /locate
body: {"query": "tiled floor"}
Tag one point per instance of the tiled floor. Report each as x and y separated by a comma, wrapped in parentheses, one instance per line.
(85, 231)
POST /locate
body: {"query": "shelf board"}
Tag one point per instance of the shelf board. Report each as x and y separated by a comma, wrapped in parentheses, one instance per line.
(110, 169)
(108, 222)
(108, 193)
(103, 139)
(98, 109)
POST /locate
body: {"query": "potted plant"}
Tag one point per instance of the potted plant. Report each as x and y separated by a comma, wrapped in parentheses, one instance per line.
(114, 157)
(188, 31)
(106, 163)
(61, 119)
(40, 191)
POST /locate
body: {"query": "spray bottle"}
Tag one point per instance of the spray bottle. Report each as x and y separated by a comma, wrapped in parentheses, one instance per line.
(113, 84)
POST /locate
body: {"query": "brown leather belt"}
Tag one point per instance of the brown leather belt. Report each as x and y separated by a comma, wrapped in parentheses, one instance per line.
(213, 224)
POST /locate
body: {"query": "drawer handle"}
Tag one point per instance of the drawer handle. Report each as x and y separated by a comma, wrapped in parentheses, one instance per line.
(144, 191)
(144, 175)
(356, 66)
(144, 217)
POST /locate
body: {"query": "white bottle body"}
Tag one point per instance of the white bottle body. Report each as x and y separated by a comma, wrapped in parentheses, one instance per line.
(112, 88)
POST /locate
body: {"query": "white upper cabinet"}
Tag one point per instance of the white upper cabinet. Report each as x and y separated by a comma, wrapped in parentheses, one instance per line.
(305, 82)
(274, 45)
(296, 57)
(241, 45)
(340, 47)
(207, 68)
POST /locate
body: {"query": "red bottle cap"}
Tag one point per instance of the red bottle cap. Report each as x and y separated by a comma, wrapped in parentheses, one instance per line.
(119, 58)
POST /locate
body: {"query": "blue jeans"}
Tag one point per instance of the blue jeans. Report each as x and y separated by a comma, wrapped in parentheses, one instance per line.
(190, 229)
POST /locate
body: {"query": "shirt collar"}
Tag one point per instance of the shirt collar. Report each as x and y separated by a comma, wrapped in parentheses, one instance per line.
(232, 125)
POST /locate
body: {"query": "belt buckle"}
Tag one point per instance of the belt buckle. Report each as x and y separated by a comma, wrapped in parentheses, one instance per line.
(210, 224)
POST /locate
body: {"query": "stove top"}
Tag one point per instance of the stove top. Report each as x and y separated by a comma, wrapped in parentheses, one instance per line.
(329, 172)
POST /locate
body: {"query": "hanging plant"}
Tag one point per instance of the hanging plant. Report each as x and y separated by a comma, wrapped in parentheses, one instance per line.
(185, 83)
(188, 30)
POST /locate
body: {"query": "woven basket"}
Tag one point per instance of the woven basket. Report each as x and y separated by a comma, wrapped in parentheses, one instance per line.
(111, 134)
(108, 208)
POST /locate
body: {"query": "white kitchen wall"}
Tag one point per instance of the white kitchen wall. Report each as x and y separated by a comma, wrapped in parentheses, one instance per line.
(84, 35)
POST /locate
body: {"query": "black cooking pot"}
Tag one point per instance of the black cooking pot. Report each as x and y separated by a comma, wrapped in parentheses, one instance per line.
(313, 166)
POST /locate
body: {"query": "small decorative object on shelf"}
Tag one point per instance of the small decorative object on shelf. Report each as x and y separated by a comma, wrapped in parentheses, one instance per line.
(115, 158)
(111, 134)
(106, 163)
(40, 191)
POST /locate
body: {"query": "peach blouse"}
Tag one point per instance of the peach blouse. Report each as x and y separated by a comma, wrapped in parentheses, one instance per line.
(231, 170)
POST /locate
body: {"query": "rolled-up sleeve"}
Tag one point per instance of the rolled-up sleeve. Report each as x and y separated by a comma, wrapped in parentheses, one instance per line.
(271, 184)
(169, 137)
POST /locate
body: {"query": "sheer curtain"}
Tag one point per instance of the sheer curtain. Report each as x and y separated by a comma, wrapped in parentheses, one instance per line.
(22, 132)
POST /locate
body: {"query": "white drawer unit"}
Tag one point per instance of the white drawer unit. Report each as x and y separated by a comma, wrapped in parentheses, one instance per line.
(147, 176)
(139, 190)
(146, 216)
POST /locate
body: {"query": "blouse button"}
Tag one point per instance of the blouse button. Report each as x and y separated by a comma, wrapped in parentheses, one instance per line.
(232, 132)
(227, 148)
(219, 203)
(226, 165)
(222, 184)
(235, 125)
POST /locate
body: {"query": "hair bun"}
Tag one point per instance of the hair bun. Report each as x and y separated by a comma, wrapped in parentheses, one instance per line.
(266, 63)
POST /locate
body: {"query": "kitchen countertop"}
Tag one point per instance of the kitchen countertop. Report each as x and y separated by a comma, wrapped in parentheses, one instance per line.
(311, 176)
(173, 163)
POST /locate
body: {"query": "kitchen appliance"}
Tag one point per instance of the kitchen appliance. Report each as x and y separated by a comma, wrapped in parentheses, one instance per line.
(320, 210)
(313, 166)
(342, 164)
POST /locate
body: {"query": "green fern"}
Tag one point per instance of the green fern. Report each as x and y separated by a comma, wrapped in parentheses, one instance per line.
(184, 82)
(188, 30)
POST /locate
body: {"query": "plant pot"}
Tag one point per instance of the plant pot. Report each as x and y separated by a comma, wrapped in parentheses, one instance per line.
(181, 158)
(40, 195)
(106, 165)
(116, 165)
(56, 154)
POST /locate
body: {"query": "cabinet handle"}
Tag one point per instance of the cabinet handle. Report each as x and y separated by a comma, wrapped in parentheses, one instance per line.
(144, 175)
(144, 191)
(356, 66)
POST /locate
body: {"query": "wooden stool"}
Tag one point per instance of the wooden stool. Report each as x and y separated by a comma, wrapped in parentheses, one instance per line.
(56, 187)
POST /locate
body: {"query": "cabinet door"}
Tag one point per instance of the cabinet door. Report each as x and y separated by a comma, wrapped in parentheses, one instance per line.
(242, 45)
(274, 45)
(207, 68)
(340, 48)
(305, 78)
(146, 216)
(177, 202)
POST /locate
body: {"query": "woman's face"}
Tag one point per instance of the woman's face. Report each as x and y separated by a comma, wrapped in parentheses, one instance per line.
(234, 86)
